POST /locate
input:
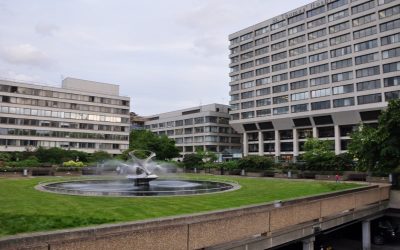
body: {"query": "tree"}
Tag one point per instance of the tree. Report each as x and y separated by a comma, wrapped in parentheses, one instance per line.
(207, 156)
(364, 146)
(318, 154)
(163, 146)
(192, 160)
(255, 162)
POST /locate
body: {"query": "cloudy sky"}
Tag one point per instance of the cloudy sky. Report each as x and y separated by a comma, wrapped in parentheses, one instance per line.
(165, 55)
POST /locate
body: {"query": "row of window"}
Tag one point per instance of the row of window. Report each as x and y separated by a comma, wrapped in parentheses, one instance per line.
(61, 95)
(63, 115)
(189, 121)
(198, 130)
(61, 144)
(207, 138)
(63, 124)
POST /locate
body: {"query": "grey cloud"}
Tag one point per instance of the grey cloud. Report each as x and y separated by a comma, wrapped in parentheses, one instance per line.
(25, 54)
(46, 29)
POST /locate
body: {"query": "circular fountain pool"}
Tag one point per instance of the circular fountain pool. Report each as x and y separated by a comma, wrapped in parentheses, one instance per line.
(125, 187)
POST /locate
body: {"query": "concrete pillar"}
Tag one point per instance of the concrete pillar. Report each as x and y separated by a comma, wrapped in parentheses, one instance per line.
(314, 132)
(295, 145)
(337, 139)
(366, 235)
(277, 146)
(245, 144)
(308, 244)
(260, 143)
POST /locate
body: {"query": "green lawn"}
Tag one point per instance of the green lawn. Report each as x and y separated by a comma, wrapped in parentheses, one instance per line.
(24, 209)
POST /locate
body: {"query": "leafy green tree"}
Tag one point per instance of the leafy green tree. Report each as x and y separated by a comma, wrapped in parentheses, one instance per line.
(192, 161)
(365, 147)
(343, 162)
(99, 156)
(255, 162)
(318, 154)
(163, 146)
(207, 156)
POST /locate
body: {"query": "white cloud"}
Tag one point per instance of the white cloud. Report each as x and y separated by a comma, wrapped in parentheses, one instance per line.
(25, 54)
(46, 29)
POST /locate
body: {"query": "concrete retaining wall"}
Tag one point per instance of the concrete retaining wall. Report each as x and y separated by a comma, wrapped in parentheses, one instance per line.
(203, 230)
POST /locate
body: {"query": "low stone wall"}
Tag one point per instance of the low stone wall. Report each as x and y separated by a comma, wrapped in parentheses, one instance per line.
(206, 229)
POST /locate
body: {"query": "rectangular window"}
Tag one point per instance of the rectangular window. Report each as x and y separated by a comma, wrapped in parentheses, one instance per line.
(344, 89)
(247, 105)
(278, 46)
(246, 95)
(263, 102)
(297, 40)
(371, 71)
(338, 15)
(341, 51)
(363, 7)
(391, 81)
(316, 22)
(247, 75)
(317, 34)
(365, 99)
(298, 73)
(295, 19)
(246, 37)
(339, 27)
(365, 32)
(321, 105)
(341, 64)
(281, 110)
(263, 112)
(391, 67)
(395, 10)
(319, 81)
(299, 85)
(391, 53)
(280, 88)
(319, 69)
(337, 4)
(235, 87)
(364, 20)
(246, 65)
(344, 76)
(262, 71)
(300, 96)
(320, 93)
(366, 45)
(299, 108)
(247, 85)
(246, 46)
(264, 91)
(278, 25)
(278, 67)
(340, 39)
(318, 45)
(298, 51)
(280, 77)
(280, 99)
(392, 95)
(262, 31)
(381, 2)
(367, 58)
(262, 51)
(298, 62)
(392, 39)
(246, 115)
(263, 81)
(262, 61)
(374, 84)
(247, 55)
(343, 102)
(278, 35)
(395, 24)
(279, 56)
(296, 29)
(316, 11)
(318, 57)
(260, 41)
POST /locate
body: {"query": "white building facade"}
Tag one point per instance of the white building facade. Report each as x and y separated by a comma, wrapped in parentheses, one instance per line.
(200, 128)
(81, 115)
(316, 71)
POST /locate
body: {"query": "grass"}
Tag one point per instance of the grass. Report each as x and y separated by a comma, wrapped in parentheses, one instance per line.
(24, 209)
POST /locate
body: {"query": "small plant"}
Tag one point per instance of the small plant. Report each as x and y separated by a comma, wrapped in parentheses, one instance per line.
(74, 164)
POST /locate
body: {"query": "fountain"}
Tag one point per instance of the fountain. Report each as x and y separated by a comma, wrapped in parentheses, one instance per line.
(136, 178)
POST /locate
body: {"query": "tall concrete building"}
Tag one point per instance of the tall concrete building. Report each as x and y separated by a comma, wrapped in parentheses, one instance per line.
(81, 115)
(205, 127)
(318, 70)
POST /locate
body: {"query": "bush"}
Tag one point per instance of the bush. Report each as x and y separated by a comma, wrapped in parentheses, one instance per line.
(73, 164)
(229, 165)
(99, 156)
(192, 160)
(255, 162)
(28, 163)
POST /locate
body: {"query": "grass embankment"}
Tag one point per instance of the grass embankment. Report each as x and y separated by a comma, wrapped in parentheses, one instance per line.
(24, 209)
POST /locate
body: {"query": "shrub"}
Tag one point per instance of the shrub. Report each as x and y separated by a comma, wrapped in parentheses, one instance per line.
(255, 162)
(192, 160)
(229, 165)
(73, 164)
(28, 163)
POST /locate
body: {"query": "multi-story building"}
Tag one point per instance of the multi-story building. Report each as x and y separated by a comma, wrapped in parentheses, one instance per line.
(137, 121)
(81, 115)
(318, 71)
(200, 128)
